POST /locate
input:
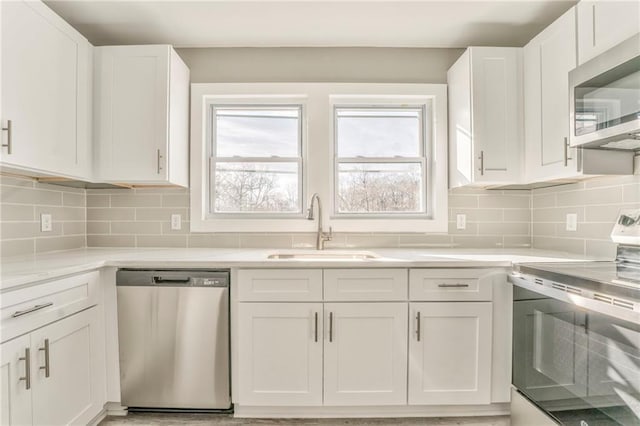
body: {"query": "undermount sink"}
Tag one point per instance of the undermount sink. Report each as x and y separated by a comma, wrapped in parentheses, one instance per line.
(325, 255)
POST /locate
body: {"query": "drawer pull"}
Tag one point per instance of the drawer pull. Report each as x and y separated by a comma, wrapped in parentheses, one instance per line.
(45, 367)
(32, 309)
(453, 285)
(27, 368)
(418, 326)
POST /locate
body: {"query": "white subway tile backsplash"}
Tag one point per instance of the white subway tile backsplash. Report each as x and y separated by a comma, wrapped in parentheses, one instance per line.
(596, 202)
(23, 200)
(141, 218)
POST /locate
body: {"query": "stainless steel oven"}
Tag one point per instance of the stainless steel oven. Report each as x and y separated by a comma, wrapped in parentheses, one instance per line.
(576, 335)
(580, 366)
(605, 99)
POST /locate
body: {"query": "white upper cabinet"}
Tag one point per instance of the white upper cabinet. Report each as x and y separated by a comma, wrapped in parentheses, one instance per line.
(602, 24)
(141, 115)
(548, 58)
(46, 93)
(485, 117)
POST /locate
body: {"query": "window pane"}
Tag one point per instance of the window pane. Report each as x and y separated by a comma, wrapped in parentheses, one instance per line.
(378, 132)
(380, 188)
(256, 187)
(257, 132)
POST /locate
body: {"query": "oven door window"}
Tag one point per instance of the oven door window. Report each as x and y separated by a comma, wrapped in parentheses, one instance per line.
(577, 365)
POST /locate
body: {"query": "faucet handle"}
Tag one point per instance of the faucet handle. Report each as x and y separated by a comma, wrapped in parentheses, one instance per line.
(329, 235)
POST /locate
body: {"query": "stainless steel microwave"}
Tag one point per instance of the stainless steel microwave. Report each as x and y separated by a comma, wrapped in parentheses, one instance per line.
(605, 99)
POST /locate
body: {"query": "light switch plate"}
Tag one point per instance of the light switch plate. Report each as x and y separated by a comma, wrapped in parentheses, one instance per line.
(46, 222)
(176, 222)
(461, 221)
(572, 222)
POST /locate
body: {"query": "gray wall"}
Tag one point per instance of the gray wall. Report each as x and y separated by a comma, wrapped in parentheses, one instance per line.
(319, 64)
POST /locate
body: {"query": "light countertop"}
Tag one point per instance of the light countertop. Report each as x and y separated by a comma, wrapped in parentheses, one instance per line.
(20, 270)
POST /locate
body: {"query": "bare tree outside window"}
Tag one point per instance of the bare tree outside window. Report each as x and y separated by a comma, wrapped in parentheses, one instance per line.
(257, 159)
(380, 162)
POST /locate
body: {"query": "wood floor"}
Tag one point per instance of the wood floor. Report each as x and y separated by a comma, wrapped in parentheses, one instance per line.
(166, 419)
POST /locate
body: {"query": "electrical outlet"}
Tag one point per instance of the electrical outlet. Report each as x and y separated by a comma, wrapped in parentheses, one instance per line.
(461, 221)
(46, 222)
(572, 222)
(176, 222)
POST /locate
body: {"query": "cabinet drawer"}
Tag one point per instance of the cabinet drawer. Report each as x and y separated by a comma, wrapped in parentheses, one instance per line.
(278, 285)
(365, 284)
(454, 284)
(31, 307)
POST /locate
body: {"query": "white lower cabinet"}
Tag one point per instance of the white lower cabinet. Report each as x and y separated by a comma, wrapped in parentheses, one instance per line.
(450, 353)
(339, 347)
(50, 375)
(365, 354)
(15, 395)
(280, 354)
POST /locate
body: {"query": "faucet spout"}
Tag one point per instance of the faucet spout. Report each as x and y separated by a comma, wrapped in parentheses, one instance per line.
(321, 236)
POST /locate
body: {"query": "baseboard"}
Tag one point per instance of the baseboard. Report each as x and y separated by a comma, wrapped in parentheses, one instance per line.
(98, 418)
(116, 409)
(373, 411)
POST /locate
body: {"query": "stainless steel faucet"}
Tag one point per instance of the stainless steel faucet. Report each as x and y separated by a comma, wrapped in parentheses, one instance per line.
(321, 236)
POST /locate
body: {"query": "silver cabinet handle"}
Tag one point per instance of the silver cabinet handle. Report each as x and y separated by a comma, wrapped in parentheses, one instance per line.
(453, 285)
(158, 158)
(481, 158)
(418, 326)
(8, 144)
(330, 326)
(315, 329)
(27, 368)
(32, 309)
(566, 152)
(45, 367)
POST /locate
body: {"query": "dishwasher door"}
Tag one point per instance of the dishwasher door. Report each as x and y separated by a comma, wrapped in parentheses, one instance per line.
(173, 330)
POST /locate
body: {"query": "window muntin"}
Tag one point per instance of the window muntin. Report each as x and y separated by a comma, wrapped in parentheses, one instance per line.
(256, 161)
(380, 162)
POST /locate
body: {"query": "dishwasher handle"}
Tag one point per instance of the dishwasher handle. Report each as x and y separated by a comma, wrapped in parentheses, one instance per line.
(160, 280)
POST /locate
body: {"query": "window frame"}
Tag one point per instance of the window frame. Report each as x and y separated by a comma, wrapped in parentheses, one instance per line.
(422, 159)
(318, 155)
(214, 160)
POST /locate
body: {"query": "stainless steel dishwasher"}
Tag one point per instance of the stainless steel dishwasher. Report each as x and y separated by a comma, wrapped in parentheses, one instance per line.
(173, 332)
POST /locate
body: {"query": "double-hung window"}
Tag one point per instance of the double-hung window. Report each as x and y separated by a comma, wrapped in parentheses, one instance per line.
(380, 161)
(376, 154)
(256, 160)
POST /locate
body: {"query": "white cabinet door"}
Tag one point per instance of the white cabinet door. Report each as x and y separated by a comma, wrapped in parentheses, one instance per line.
(550, 356)
(365, 359)
(15, 392)
(280, 354)
(45, 91)
(496, 102)
(141, 115)
(602, 24)
(548, 58)
(64, 370)
(485, 117)
(450, 353)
